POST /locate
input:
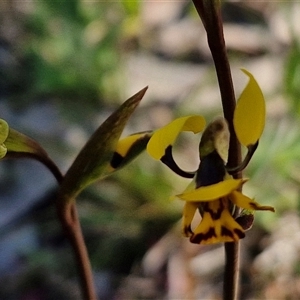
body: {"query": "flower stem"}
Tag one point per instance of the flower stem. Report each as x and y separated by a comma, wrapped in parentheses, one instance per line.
(70, 222)
(68, 217)
(45, 160)
(209, 12)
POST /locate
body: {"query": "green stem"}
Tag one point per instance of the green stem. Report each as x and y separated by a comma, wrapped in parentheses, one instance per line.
(209, 12)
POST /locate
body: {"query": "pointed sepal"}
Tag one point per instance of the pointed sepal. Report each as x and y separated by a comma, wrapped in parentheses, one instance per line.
(212, 192)
(250, 113)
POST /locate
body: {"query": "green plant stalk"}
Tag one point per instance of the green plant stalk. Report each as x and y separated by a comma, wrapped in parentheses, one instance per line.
(210, 14)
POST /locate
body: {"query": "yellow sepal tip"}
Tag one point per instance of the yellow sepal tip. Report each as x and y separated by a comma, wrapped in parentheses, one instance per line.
(250, 112)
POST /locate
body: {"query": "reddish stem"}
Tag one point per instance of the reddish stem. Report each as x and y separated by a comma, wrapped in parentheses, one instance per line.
(209, 12)
(69, 219)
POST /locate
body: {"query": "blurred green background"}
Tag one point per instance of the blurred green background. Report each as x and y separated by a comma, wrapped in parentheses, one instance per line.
(64, 67)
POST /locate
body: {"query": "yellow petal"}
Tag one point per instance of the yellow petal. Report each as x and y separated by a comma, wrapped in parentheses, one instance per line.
(187, 218)
(127, 149)
(217, 227)
(212, 192)
(243, 201)
(189, 188)
(125, 144)
(249, 114)
(166, 136)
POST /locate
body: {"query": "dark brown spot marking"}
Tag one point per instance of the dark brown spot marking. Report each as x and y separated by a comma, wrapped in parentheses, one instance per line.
(239, 233)
(253, 205)
(187, 231)
(198, 238)
(116, 160)
(214, 215)
(226, 232)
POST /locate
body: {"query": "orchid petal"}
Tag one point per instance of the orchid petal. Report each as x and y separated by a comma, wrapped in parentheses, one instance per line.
(249, 114)
(212, 192)
(217, 226)
(166, 136)
(129, 148)
(187, 218)
(245, 202)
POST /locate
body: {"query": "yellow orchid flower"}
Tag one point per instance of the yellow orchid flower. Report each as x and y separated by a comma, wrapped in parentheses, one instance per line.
(213, 192)
(215, 204)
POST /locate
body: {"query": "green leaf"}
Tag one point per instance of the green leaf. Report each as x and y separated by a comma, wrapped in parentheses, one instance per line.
(250, 112)
(94, 159)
